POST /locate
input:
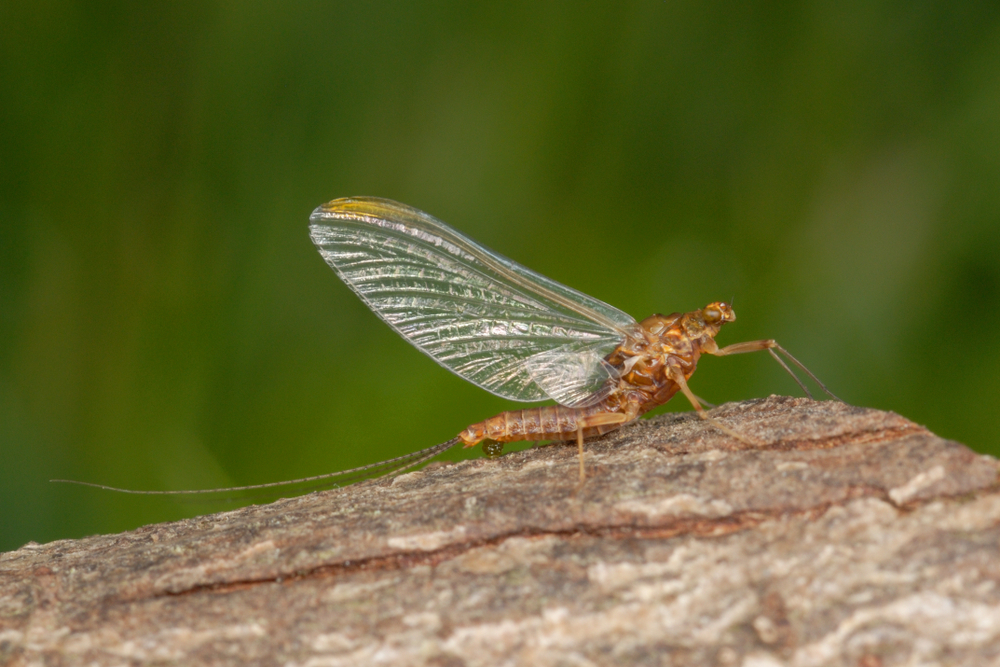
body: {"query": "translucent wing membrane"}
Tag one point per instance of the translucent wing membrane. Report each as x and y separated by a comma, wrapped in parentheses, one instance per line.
(572, 376)
(473, 311)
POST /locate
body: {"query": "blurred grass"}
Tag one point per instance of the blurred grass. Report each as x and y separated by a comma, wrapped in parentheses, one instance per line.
(166, 323)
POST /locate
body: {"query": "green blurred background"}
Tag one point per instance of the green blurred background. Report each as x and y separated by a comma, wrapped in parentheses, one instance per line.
(166, 323)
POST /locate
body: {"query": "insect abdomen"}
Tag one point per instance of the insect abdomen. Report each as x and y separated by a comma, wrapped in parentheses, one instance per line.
(552, 422)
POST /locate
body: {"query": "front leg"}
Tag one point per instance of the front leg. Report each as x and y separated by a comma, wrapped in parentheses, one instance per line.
(770, 345)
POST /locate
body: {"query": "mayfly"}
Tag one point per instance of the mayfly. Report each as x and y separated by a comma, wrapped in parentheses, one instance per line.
(513, 332)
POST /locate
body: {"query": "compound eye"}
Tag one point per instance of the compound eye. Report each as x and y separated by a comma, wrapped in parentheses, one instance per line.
(712, 315)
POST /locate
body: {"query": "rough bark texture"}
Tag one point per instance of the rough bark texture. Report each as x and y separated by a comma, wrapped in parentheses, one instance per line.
(854, 538)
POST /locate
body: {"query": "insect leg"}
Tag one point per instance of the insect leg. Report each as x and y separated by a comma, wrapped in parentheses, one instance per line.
(705, 403)
(771, 345)
(593, 421)
(678, 377)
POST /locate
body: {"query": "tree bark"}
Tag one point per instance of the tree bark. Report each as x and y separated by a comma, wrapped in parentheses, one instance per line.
(853, 537)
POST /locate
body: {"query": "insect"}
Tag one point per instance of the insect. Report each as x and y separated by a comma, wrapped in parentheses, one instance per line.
(513, 332)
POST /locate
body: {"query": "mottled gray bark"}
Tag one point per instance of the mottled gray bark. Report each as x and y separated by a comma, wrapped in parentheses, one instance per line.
(855, 537)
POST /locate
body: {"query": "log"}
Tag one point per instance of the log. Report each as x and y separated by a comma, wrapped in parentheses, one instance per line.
(853, 537)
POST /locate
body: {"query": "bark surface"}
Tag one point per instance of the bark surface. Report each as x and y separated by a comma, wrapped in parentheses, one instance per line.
(855, 537)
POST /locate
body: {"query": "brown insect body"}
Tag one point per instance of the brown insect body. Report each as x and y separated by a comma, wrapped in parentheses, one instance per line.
(646, 363)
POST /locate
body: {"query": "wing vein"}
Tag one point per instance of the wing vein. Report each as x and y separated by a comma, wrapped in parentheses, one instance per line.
(475, 312)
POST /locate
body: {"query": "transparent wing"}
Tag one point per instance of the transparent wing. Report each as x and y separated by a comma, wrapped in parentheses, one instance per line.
(473, 311)
(573, 375)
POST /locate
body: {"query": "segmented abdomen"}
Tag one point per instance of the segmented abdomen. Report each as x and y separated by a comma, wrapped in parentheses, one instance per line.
(551, 422)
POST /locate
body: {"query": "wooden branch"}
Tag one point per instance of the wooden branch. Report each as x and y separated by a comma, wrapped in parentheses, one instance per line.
(855, 538)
